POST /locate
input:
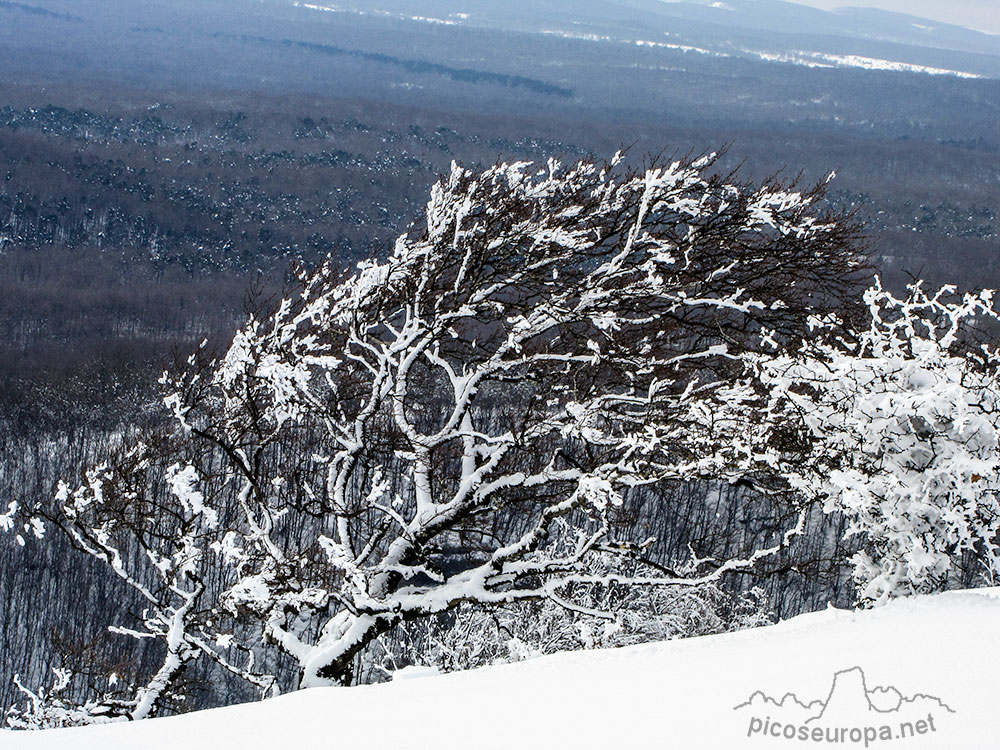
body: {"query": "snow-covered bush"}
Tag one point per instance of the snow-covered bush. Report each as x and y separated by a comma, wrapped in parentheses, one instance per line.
(52, 708)
(906, 423)
(606, 615)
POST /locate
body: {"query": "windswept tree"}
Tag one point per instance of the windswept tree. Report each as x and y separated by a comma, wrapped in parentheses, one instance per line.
(405, 441)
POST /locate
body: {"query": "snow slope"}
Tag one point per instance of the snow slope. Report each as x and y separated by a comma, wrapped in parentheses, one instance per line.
(925, 671)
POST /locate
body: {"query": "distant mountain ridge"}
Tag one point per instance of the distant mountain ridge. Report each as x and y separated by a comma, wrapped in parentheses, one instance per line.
(773, 30)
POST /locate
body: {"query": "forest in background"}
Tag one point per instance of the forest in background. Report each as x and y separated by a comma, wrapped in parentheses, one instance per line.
(137, 225)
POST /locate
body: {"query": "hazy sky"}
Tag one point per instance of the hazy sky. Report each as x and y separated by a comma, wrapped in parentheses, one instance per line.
(983, 15)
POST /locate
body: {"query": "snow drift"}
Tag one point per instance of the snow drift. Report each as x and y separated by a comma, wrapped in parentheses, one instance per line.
(917, 673)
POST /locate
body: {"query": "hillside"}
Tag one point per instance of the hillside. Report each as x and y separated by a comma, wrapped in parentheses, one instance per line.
(916, 667)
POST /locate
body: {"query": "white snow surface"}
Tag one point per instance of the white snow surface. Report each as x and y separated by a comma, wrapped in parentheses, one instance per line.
(678, 694)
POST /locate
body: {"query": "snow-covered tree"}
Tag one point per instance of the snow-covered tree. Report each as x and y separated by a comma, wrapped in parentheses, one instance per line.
(151, 526)
(906, 424)
(399, 443)
(545, 341)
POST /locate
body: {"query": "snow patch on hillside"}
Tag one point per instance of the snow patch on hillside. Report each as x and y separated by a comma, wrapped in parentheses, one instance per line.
(822, 60)
(680, 47)
(453, 20)
(871, 63)
(582, 36)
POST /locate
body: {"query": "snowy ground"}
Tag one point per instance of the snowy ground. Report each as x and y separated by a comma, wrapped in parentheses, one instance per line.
(937, 658)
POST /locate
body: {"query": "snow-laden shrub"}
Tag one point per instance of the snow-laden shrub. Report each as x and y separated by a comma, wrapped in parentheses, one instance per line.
(53, 708)
(605, 615)
(906, 424)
